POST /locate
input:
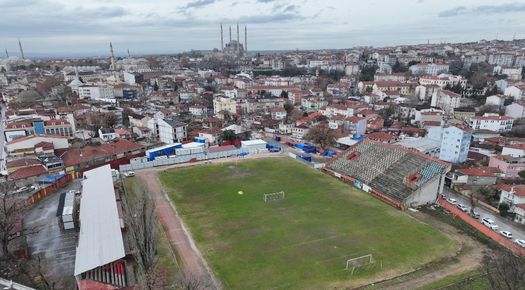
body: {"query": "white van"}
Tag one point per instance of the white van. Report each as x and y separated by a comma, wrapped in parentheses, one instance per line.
(489, 223)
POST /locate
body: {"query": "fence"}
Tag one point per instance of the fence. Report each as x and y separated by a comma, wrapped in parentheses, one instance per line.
(485, 230)
(61, 182)
(313, 164)
(179, 159)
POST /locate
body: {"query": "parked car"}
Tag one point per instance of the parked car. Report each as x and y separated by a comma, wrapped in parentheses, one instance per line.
(462, 207)
(520, 243)
(474, 214)
(506, 234)
(22, 189)
(129, 174)
(452, 201)
(489, 223)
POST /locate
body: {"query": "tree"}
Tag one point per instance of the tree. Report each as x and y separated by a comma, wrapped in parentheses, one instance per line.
(142, 233)
(228, 135)
(488, 109)
(413, 62)
(399, 67)
(367, 73)
(11, 213)
(455, 67)
(284, 94)
(522, 174)
(504, 209)
(288, 107)
(321, 135)
(504, 270)
(192, 282)
(156, 86)
(109, 120)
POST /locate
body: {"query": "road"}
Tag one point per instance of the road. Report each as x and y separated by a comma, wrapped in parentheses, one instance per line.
(3, 155)
(503, 223)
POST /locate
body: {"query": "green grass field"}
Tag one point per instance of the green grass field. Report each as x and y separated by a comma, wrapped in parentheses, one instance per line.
(302, 241)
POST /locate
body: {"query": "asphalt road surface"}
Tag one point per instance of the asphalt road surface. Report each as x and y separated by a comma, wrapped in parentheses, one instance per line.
(503, 223)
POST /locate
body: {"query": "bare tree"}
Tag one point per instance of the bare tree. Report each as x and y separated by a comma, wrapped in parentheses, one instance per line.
(11, 213)
(142, 233)
(505, 270)
(321, 135)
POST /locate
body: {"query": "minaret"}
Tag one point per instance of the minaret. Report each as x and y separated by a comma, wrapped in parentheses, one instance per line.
(230, 34)
(245, 39)
(238, 43)
(76, 73)
(112, 56)
(6, 53)
(129, 55)
(222, 40)
(21, 49)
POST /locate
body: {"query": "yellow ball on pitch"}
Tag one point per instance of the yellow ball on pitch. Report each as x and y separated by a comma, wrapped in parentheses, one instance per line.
(240, 192)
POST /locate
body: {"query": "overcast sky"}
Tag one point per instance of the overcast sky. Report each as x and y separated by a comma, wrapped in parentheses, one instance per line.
(166, 26)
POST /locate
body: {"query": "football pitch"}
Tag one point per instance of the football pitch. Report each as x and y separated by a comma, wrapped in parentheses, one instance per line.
(302, 241)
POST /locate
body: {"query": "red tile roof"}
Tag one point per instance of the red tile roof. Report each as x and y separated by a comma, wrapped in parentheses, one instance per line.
(27, 172)
(22, 162)
(500, 118)
(381, 136)
(519, 189)
(75, 156)
(484, 171)
(36, 136)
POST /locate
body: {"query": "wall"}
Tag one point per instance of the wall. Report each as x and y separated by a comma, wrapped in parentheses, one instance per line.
(508, 243)
(180, 159)
(37, 196)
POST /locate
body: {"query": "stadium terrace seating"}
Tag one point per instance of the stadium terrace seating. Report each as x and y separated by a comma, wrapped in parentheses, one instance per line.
(394, 171)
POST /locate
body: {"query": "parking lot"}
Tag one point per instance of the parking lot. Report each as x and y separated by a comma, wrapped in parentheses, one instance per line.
(57, 246)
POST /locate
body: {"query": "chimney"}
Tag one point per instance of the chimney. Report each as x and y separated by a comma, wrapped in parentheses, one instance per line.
(222, 40)
(230, 33)
(245, 39)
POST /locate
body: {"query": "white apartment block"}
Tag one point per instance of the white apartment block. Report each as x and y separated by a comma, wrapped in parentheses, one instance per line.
(96, 92)
(443, 80)
(446, 100)
(224, 104)
(429, 68)
(492, 122)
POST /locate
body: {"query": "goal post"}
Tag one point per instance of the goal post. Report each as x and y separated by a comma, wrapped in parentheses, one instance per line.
(267, 197)
(353, 263)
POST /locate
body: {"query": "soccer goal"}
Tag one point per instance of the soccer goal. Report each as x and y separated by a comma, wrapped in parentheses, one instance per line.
(273, 196)
(352, 264)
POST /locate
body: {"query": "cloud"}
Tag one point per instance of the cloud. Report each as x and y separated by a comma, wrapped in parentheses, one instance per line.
(265, 1)
(198, 4)
(483, 9)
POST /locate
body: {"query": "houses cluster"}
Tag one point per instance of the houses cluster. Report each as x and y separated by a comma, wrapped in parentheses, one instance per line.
(426, 116)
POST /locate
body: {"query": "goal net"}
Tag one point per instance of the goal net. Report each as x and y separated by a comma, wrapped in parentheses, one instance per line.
(353, 263)
(273, 196)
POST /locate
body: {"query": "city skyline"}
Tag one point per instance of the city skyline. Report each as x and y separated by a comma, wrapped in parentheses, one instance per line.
(58, 26)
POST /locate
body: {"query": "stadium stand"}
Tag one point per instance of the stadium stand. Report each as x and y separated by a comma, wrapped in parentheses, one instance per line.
(403, 177)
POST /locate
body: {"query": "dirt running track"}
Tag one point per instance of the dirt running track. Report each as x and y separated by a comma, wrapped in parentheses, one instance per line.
(178, 236)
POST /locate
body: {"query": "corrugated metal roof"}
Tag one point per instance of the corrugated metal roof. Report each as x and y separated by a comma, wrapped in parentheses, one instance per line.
(100, 240)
